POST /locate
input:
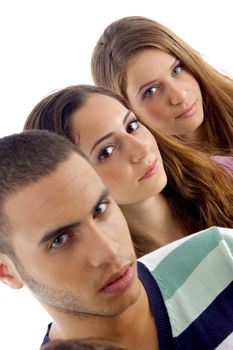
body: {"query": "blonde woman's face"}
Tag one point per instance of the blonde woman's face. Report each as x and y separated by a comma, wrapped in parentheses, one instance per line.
(123, 152)
(164, 94)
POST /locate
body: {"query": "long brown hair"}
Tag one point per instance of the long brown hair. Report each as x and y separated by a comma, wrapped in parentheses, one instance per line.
(199, 192)
(122, 39)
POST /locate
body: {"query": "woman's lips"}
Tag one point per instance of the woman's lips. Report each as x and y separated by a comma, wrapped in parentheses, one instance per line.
(188, 112)
(151, 170)
(118, 281)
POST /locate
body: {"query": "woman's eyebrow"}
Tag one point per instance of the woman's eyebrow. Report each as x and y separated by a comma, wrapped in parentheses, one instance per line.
(100, 140)
(108, 135)
(142, 87)
(154, 81)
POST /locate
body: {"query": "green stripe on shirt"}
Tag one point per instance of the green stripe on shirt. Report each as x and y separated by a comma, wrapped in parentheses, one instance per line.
(195, 295)
(197, 247)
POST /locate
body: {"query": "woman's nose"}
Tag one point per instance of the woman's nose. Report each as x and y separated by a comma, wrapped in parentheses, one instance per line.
(138, 150)
(177, 95)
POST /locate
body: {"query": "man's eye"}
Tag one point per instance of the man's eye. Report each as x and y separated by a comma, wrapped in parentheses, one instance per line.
(101, 208)
(59, 241)
(132, 126)
(177, 70)
(150, 92)
(106, 153)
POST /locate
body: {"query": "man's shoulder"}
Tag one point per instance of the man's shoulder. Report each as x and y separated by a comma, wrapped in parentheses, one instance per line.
(195, 278)
(46, 339)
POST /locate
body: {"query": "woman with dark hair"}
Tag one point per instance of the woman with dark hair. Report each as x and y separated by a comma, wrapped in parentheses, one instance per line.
(165, 189)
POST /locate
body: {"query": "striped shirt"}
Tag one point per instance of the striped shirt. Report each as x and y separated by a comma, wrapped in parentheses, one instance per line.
(190, 287)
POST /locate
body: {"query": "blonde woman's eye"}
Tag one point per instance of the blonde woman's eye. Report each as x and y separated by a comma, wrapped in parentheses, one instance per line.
(150, 92)
(177, 70)
(132, 126)
(105, 153)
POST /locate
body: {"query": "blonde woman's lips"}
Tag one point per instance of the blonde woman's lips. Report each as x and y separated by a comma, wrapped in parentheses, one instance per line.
(188, 112)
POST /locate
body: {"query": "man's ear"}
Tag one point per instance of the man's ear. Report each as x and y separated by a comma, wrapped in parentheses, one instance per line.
(8, 272)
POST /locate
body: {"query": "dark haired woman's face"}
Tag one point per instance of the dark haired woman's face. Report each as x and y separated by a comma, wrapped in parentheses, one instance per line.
(163, 93)
(123, 152)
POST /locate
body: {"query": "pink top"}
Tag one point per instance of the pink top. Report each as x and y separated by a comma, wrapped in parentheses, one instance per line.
(226, 162)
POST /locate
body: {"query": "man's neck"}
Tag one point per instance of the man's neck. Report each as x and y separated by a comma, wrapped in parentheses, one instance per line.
(128, 328)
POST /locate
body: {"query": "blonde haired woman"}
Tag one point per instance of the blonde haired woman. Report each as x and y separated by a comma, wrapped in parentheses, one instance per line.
(166, 82)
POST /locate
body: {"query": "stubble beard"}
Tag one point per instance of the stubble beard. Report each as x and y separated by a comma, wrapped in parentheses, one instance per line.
(68, 303)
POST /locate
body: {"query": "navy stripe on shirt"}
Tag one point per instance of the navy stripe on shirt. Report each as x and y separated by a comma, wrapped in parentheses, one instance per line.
(218, 318)
(158, 307)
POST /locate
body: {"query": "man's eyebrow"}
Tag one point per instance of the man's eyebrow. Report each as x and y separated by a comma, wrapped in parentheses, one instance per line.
(49, 235)
(107, 135)
(154, 81)
(52, 234)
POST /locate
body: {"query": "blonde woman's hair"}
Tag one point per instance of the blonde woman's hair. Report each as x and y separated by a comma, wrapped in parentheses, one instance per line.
(124, 38)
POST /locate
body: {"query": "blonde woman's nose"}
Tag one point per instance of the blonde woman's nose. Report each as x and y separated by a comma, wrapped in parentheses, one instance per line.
(177, 94)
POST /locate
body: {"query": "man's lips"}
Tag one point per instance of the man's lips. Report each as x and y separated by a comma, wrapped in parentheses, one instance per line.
(119, 280)
(149, 171)
(188, 112)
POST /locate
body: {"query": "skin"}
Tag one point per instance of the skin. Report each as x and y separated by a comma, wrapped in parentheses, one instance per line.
(83, 344)
(73, 230)
(120, 149)
(90, 246)
(160, 89)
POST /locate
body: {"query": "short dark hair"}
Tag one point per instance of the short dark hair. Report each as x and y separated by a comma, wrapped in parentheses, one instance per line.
(25, 158)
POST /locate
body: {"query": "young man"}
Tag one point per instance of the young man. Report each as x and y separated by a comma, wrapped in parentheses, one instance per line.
(63, 236)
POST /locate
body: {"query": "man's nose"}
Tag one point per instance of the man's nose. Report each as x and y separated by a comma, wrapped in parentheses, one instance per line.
(102, 248)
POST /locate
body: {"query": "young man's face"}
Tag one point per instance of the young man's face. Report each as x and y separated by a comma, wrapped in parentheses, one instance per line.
(72, 243)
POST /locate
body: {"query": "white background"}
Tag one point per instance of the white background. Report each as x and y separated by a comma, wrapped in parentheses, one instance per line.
(47, 44)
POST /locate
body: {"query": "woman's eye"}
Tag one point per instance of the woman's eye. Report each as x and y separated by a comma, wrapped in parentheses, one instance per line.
(150, 92)
(59, 241)
(106, 153)
(100, 208)
(132, 126)
(177, 70)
